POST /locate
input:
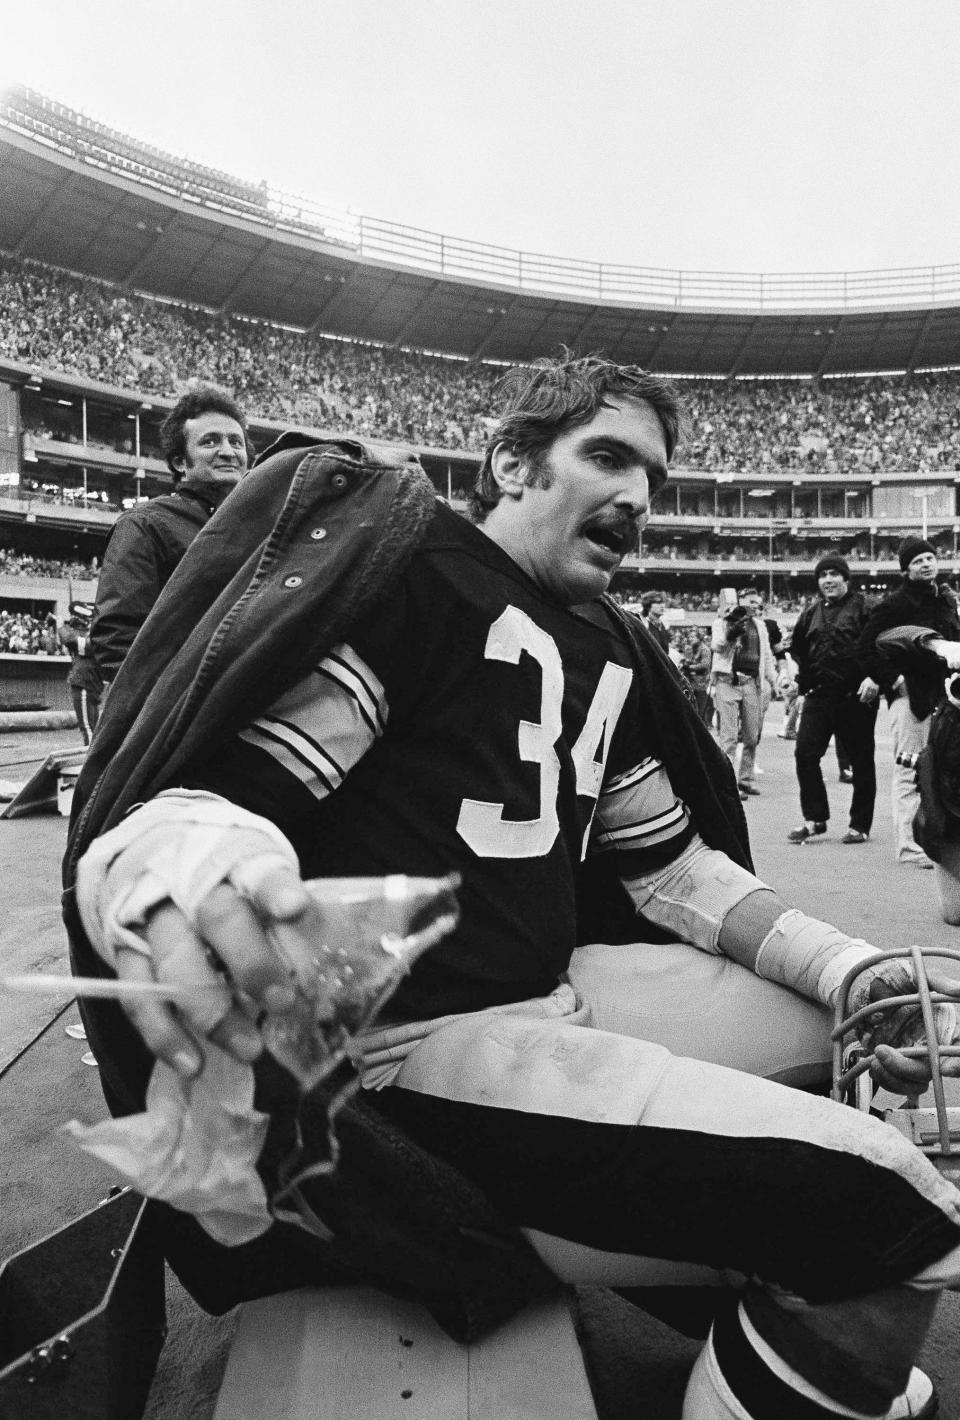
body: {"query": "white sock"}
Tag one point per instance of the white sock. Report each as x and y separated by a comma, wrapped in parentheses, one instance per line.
(773, 1387)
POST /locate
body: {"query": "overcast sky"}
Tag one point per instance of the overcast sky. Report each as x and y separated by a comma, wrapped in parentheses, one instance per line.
(724, 135)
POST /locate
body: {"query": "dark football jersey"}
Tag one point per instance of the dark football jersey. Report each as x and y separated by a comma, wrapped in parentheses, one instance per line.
(469, 724)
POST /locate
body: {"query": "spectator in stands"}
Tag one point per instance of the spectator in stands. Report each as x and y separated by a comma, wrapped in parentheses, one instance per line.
(836, 700)
(208, 450)
(911, 680)
(652, 607)
(83, 678)
(743, 667)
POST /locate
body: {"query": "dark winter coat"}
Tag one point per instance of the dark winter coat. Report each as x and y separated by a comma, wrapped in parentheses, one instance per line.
(911, 604)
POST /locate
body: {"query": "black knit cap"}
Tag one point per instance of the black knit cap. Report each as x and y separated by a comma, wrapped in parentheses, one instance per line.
(912, 547)
(833, 562)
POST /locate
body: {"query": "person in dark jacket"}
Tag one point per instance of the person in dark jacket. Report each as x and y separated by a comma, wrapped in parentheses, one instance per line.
(836, 702)
(492, 713)
(83, 678)
(207, 449)
(652, 606)
(911, 681)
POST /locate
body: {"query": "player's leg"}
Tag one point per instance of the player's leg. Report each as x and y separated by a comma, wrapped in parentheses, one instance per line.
(704, 1006)
(760, 1354)
(622, 1162)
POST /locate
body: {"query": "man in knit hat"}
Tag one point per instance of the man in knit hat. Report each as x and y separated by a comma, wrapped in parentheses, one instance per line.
(911, 681)
(837, 701)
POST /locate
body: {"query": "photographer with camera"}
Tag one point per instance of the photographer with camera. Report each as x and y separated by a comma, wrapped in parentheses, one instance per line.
(837, 701)
(742, 663)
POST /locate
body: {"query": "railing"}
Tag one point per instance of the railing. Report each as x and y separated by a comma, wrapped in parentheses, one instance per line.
(24, 111)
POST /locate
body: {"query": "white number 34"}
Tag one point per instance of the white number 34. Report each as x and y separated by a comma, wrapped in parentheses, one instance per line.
(483, 825)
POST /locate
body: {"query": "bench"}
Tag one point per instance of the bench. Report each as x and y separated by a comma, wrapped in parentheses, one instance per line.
(353, 1353)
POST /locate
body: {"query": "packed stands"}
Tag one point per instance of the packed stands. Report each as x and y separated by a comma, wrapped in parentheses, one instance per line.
(21, 564)
(25, 635)
(53, 320)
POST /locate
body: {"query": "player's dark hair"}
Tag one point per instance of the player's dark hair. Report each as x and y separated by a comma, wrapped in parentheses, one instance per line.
(749, 592)
(199, 399)
(544, 399)
(648, 599)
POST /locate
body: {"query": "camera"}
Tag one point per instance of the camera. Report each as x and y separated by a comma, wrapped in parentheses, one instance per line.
(736, 619)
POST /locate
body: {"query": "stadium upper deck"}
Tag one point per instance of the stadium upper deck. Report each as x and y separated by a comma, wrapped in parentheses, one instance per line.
(81, 196)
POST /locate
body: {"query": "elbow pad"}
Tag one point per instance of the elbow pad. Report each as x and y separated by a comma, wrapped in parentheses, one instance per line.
(691, 897)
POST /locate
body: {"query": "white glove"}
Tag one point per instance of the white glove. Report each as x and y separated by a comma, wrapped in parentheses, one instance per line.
(948, 651)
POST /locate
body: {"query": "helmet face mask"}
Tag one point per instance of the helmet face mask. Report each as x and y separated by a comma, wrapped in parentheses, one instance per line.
(935, 1129)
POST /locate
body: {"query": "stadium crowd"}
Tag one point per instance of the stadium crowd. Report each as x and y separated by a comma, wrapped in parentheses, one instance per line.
(22, 564)
(55, 320)
(24, 635)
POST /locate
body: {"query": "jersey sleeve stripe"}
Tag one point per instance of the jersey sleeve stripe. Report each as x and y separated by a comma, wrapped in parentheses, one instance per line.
(637, 775)
(654, 830)
(345, 668)
(289, 756)
(639, 809)
(320, 728)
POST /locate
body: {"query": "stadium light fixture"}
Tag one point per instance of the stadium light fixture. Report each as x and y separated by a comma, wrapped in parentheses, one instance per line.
(767, 493)
(925, 494)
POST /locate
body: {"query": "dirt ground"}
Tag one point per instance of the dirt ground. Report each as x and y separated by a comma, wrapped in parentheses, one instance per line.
(637, 1365)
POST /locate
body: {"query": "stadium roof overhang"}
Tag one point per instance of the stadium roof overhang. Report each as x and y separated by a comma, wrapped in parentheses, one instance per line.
(68, 213)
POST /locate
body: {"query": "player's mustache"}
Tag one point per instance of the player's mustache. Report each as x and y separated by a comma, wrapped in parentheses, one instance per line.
(622, 528)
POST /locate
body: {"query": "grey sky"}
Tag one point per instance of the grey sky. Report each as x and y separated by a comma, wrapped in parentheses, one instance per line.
(785, 135)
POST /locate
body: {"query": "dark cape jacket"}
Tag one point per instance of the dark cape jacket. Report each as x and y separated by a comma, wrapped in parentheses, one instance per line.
(910, 604)
(306, 545)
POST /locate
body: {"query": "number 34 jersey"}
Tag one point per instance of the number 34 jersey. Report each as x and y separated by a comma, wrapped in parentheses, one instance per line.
(468, 724)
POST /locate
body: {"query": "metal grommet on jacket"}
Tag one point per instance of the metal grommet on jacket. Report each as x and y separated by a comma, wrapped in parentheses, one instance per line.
(293, 582)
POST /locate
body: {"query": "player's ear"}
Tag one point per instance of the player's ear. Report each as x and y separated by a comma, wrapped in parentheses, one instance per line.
(509, 470)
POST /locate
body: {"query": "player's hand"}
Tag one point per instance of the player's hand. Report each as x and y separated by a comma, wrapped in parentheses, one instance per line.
(888, 1033)
(251, 954)
(867, 691)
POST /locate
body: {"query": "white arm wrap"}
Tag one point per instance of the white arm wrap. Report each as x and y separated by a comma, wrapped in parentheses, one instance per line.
(809, 956)
(692, 895)
(176, 848)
